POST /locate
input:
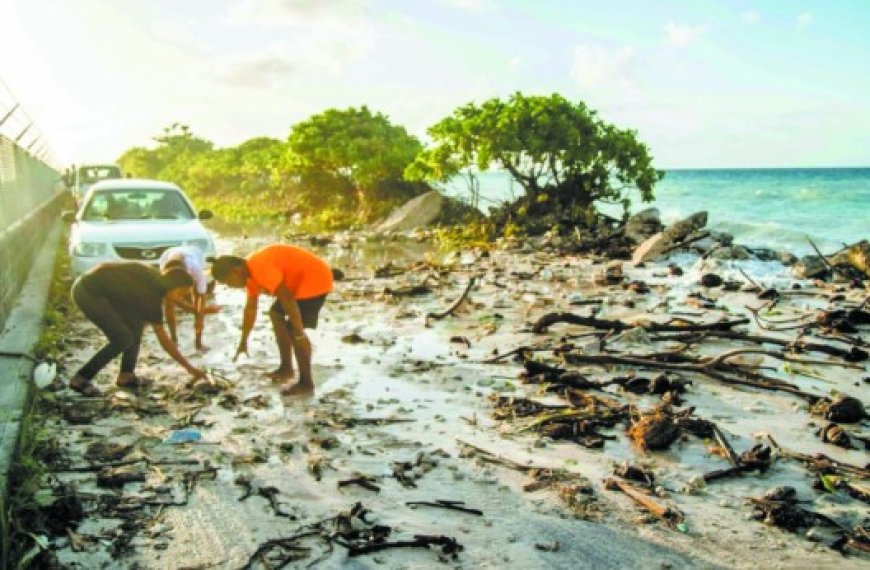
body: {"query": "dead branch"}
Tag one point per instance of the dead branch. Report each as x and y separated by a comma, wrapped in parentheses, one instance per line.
(727, 374)
(821, 463)
(553, 318)
(667, 514)
(453, 307)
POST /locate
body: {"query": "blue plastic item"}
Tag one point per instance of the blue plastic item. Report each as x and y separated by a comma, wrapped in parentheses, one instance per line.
(185, 435)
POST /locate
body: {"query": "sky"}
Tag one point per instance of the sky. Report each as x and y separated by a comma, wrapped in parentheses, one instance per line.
(705, 83)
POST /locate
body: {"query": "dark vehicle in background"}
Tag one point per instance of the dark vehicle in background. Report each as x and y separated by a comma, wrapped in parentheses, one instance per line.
(87, 175)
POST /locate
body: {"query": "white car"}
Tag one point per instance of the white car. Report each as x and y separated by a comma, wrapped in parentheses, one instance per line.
(133, 220)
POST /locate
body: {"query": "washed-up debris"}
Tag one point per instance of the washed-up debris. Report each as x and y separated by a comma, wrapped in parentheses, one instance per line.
(352, 530)
(574, 489)
(756, 458)
(654, 430)
(669, 515)
(187, 435)
(835, 435)
(444, 504)
(364, 481)
(821, 463)
(842, 409)
(452, 308)
(407, 472)
(105, 452)
(119, 476)
(780, 507)
(635, 473)
(268, 492)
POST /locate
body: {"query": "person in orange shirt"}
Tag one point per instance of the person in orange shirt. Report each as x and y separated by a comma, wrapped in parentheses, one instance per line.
(300, 281)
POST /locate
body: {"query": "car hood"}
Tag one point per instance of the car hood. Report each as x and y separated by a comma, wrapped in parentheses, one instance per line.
(145, 231)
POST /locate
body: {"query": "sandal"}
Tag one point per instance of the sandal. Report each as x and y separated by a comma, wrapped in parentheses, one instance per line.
(84, 387)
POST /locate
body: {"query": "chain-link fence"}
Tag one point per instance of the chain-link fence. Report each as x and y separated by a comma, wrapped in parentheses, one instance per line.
(31, 192)
(26, 183)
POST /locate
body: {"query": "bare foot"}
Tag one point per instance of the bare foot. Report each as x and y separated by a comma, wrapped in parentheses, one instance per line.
(280, 374)
(298, 389)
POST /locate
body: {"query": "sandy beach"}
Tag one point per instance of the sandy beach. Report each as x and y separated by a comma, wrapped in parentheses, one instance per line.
(405, 404)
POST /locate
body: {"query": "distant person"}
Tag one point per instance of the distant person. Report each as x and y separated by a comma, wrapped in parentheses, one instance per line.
(192, 260)
(121, 298)
(300, 281)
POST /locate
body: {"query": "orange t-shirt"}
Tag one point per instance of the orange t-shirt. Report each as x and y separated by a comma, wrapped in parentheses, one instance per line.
(302, 272)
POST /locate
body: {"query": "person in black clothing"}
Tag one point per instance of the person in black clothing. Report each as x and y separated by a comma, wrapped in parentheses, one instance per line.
(121, 298)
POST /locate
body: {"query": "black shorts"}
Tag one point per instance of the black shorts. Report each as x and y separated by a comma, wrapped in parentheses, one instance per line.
(309, 309)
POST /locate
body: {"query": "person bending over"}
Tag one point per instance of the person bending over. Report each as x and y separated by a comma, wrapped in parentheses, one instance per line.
(192, 260)
(121, 298)
(300, 281)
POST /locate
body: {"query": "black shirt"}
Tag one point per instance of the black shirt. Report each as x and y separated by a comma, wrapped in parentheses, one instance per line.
(133, 289)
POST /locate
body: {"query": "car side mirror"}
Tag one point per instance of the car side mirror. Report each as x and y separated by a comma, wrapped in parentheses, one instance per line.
(206, 214)
(68, 216)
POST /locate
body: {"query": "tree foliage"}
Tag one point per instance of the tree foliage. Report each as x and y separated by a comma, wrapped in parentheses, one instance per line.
(357, 155)
(560, 152)
(337, 168)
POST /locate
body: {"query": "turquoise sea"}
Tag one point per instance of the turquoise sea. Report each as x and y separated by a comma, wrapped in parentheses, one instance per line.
(761, 207)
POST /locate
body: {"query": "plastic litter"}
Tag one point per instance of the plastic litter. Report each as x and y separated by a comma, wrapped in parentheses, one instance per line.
(186, 435)
(44, 374)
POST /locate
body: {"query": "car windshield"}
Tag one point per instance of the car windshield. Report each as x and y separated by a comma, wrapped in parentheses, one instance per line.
(135, 204)
(91, 174)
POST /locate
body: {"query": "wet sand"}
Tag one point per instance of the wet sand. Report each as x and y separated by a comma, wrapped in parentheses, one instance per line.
(374, 357)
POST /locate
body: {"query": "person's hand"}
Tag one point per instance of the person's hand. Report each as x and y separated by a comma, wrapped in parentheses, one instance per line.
(243, 349)
(197, 373)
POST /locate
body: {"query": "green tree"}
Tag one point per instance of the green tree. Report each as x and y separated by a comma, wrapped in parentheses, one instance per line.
(353, 159)
(560, 152)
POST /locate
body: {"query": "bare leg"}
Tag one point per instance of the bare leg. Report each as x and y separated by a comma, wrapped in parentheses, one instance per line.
(285, 348)
(305, 386)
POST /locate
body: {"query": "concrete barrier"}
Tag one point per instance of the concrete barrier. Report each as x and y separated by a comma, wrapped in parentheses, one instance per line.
(19, 244)
(20, 334)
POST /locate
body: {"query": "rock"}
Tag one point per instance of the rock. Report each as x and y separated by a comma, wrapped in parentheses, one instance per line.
(416, 213)
(724, 238)
(704, 245)
(809, 267)
(765, 254)
(787, 258)
(710, 280)
(661, 242)
(643, 224)
(856, 255)
(730, 252)
(675, 269)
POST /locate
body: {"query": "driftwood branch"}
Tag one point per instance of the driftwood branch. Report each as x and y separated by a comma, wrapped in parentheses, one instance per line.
(453, 307)
(553, 318)
(667, 514)
(724, 373)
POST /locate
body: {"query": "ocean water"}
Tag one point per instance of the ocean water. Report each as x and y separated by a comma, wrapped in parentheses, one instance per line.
(776, 208)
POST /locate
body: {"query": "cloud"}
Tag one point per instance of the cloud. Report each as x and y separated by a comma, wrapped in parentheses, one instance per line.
(255, 71)
(804, 20)
(318, 36)
(282, 12)
(596, 65)
(751, 17)
(472, 5)
(682, 35)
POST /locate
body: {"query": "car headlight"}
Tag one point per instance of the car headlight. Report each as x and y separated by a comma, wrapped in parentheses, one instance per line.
(204, 245)
(86, 249)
